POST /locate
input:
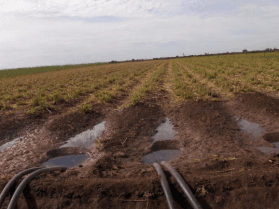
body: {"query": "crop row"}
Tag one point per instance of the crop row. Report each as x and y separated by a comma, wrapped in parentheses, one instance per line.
(50, 88)
(150, 82)
(236, 77)
(182, 88)
(124, 85)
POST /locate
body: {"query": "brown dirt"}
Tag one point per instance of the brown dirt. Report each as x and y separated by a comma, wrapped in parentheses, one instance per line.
(218, 161)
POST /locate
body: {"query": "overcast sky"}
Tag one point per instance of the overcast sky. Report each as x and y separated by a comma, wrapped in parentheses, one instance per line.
(58, 32)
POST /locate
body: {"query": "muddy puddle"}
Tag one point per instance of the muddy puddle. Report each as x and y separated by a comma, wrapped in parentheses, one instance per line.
(249, 127)
(82, 140)
(268, 150)
(256, 130)
(9, 144)
(159, 156)
(68, 161)
(86, 138)
(272, 137)
(165, 131)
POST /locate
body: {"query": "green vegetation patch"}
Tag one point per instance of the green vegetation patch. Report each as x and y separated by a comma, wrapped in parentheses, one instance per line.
(57, 98)
(150, 84)
(85, 108)
(181, 89)
(103, 96)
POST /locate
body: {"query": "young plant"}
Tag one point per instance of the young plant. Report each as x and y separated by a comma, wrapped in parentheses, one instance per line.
(31, 111)
(85, 108)
(5, 107)
(104, 96)
(21, 102)
(57, 98)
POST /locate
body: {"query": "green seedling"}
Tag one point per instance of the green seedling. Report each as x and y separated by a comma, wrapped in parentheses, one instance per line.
(57, 98)
(85, 108)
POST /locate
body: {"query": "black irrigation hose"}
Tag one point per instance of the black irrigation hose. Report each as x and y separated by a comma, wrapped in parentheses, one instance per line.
(26, 181)
(191, 198)
(7, 188)
(193, 201)
(165, 186)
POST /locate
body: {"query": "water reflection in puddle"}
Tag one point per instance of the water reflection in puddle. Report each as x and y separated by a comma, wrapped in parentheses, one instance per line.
(269, 150)
(86, 138)
(165, 131)
(68, 161)
(256, 130)
(159, 156)
(8, 144)
(276, 144)
(251, 128)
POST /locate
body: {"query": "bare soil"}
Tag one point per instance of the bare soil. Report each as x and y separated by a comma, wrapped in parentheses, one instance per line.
(218, 160)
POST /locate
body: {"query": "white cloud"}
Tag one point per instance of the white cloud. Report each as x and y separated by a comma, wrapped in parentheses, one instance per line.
(259, 10)
(89, 8)
(10, 6)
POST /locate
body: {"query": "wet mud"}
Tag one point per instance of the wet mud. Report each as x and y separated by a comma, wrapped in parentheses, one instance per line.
(213, 145)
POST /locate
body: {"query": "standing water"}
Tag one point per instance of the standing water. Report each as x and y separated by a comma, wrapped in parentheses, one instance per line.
(268, 150)
(249, 127)
(68, 161)
(272, 137)
(82, 140)
(159, 156)
(165, 131)
(86, 138)
(8, 144)
(256, 130)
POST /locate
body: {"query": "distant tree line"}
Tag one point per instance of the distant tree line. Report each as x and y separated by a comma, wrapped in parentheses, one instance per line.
(260, 51)
(206, 54)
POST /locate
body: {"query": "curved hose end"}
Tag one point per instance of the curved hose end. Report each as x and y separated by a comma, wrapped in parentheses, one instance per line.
(22, 185)
(7, 188)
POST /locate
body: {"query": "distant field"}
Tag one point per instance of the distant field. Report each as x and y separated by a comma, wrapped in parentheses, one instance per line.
(32, 70)
(211, 77)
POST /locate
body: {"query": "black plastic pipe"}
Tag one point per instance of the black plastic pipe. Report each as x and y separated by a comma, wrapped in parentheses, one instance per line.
(26, 181)
(7, 188)
(191, 198)
(165, 186)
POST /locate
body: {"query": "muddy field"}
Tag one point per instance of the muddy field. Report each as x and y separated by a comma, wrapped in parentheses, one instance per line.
(219, 158)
